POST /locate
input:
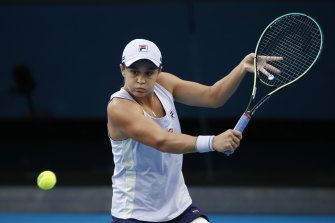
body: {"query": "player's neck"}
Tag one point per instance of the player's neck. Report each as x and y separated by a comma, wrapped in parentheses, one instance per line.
(145, 100)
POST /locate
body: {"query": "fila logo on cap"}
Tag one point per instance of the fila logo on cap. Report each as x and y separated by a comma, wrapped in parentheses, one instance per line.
(143, 48)
(138, 49)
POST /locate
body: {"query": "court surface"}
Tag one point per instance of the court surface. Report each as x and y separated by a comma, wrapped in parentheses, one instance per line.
(103, 218)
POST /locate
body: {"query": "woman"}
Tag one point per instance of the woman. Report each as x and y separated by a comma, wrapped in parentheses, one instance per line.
(147, 143)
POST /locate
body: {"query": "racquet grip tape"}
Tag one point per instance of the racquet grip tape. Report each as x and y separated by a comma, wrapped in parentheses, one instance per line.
(243, 122)
(240, 126)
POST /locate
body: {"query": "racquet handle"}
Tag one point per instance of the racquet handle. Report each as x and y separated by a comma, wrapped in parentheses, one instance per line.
(240, 126)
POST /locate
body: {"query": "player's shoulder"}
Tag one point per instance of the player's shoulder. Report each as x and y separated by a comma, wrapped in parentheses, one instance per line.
(119, 107)
(166, 76)
(168, 81)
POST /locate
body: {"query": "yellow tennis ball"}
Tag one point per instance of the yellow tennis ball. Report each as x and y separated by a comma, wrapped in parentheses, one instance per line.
(46, 180)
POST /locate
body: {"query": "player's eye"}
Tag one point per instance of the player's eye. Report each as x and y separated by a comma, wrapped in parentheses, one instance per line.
(149, 73)
(134, 72)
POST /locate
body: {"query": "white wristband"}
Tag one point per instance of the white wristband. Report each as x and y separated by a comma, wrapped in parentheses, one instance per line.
(204, 144)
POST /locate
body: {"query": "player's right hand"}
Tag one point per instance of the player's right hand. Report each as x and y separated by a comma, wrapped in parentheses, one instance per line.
(227, 141)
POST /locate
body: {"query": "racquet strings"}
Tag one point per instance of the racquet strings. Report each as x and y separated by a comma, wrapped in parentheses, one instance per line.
(298, 40)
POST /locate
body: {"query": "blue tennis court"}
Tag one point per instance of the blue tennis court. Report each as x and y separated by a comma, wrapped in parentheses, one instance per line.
(103, 218)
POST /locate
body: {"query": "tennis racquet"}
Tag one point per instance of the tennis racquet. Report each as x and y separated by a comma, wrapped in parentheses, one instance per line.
(287, 49)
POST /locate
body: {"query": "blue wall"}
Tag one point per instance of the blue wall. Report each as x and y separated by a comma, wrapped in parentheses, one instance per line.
(74, 53)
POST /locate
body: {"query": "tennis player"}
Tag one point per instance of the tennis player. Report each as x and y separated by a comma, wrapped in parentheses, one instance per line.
(147, 143)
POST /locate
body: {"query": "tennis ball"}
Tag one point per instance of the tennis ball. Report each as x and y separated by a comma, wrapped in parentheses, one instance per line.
(46, 180)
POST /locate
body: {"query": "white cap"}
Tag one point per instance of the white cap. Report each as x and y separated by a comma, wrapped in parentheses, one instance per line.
(139, 49)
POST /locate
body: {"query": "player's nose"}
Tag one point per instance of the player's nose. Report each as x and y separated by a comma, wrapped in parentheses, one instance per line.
(141, 78)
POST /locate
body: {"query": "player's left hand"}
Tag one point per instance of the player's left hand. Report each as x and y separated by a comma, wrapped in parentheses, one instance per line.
(262, 64)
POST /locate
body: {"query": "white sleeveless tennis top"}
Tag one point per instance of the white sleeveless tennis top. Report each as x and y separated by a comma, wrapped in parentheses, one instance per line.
(148, 185)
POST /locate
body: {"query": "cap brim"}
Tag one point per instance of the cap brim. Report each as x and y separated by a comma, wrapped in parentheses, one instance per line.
(131, 61)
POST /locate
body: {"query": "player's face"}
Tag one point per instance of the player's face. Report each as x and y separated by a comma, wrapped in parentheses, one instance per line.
(140, 77)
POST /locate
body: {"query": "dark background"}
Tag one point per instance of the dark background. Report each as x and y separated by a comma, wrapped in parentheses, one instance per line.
(70, 54)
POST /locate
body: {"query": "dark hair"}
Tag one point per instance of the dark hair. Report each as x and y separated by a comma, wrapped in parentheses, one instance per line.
(124, 65)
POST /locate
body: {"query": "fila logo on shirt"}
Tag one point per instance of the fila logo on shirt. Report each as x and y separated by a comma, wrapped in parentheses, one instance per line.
(172, 114)
(143, 48)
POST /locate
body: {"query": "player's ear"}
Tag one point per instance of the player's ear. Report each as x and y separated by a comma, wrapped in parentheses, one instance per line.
(160, 69)
(122, 69)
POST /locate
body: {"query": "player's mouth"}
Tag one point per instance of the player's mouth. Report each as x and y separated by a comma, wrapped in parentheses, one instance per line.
(140, 89)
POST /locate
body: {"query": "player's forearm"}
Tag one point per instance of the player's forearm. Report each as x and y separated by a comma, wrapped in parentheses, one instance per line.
(223, 89)
(177, 143)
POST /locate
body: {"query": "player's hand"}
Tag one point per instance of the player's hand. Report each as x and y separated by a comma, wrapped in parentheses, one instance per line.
(248, 62)
(262, 64)
(227, 141)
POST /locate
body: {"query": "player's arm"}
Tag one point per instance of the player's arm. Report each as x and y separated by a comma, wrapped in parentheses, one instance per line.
(195, 94)
(128, 118)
